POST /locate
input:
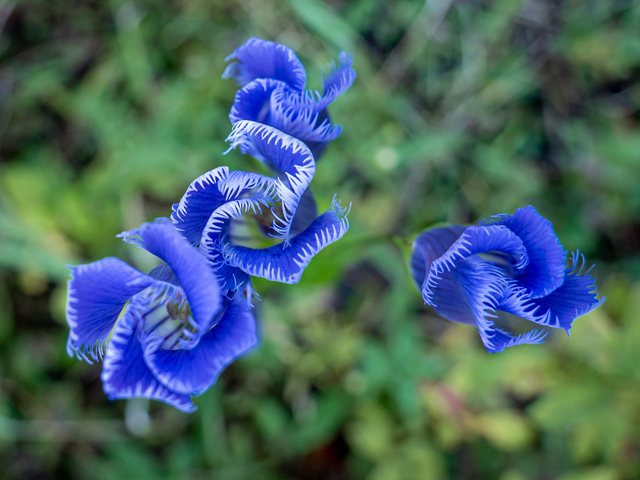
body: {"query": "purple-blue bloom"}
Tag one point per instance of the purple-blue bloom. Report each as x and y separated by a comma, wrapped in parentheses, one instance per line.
(509, 263)
(219, 208)
(273, 92)
(165, 335)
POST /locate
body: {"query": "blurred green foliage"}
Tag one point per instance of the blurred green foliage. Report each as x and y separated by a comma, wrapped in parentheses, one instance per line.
(461, 109)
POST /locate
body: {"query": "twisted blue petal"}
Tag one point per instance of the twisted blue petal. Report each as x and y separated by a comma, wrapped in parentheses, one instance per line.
(203, 195)
(300, 115)
(259, 58)
(277, 101)
(462, 286)
(575, 297)
(253, 101)
(337, 79)
(191, 269)
(211, 191)
(474, 240)
(481, 284)
(286, 263)
(209, 205)
(125, 373)
(97, 293)
(545, 271)
(508, 263)
(216, 235)
(284, 154)
(193, 371)
(430, 245)
(207, 208)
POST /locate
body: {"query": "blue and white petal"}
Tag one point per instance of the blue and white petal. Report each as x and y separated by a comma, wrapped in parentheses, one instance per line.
(238, 183)
(428, 246)
(97, 293)
(575, 297)
(481, 284)
(259, 58)
(196, 278)
(286, 263)
(216, 231)
(337, 79)
(216, 235)
(302, 116)
(474, 240)
(211, 191)
(545, 271)
(284, 154)
(208, 207)
(201, 198)
(125, 373)
(193, 371)
(253, 101)
(463, 287)
(273, 103)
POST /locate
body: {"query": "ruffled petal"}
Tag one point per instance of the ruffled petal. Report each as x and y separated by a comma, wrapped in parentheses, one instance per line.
(299, 115)
(125, 373)
(483, 284)
(574, 298)
(217, 233)
(469, 294)
(284, 154)
(286, 263)
(217, 228)
(428, 246)
(238, 183)
(259, 58)
(97, 293)
(253, 101)
(463, 287)
(337, 79)
(545, 271)
(210, 191)
(474, 240)
(189, 266)
(213, 218)
(201, 198)
(193, 371)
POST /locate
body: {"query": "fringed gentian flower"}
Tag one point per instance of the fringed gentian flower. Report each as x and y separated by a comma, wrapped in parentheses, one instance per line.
(166, 335)
(273, 92)
(511, 263)
(222, 211)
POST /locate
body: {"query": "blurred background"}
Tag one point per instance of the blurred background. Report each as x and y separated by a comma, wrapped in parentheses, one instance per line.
(462, 109)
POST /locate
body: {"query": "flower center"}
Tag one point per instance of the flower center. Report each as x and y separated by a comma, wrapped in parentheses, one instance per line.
(255, 230)
(169, 319)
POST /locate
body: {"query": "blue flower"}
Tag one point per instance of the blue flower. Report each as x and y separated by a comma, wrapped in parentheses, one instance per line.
(512, 263)
(273, 92)
(166, 335)
(213, 212)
